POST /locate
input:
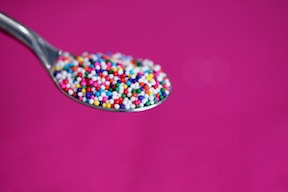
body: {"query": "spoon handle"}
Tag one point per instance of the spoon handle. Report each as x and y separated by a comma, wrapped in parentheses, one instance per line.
(43, 50)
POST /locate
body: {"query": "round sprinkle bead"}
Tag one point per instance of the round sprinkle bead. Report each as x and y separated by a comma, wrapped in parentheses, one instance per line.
(112, 81)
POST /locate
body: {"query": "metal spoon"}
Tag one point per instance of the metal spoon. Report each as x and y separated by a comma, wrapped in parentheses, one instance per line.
(48, 55)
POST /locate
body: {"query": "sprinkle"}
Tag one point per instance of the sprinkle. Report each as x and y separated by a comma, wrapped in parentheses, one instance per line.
(112, 81)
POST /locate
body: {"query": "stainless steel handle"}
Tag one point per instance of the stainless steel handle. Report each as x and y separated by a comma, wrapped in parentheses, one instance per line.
(44, 51)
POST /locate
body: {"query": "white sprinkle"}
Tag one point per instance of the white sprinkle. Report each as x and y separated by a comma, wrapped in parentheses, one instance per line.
(157, 67)
(91, 101)
(127, 106)
(59, 76)
(103, 94)
(116, 106)
(120, 72)
(70, 92)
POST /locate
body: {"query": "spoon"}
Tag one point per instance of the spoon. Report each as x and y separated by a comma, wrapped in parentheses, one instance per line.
(112, 82)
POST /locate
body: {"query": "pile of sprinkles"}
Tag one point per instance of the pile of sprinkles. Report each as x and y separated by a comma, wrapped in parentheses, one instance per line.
(112, 81)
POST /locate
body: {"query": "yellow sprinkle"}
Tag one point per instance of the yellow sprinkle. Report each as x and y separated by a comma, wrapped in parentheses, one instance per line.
(114, 69)
(83, 90)
(148, 78)
(108, 105)
(80, 59)
(57, 68)
(104, 104)
(96, 102)
(125, 86)
(150, 93)
(77, 85)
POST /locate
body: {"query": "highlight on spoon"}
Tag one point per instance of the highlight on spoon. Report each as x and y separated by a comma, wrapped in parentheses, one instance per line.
(111, 81)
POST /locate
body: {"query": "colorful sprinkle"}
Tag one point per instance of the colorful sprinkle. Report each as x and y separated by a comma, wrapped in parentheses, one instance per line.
(112, 81)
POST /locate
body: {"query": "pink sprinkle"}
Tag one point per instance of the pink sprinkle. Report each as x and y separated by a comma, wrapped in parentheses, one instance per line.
(104, 99)
(83, 83)
(60, 58)
(95, 84)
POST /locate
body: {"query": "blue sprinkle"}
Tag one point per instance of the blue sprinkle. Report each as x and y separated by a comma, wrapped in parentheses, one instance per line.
(79, 90)
(140, 97)
(56, 72)
(122, 106)
(131, 72)
(88, 94)
(128, 83)
(108, 93)
(97, 94)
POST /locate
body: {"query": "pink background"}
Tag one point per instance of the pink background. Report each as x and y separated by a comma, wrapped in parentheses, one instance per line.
(224, 128)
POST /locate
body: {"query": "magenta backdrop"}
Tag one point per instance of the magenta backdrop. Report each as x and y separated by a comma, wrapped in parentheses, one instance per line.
(224, 128)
